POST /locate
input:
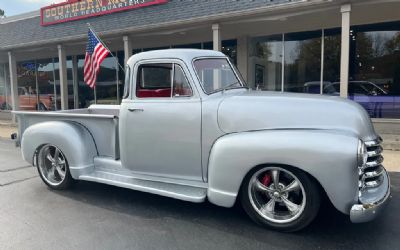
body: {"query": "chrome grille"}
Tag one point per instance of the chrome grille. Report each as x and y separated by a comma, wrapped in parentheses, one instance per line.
(371, 175)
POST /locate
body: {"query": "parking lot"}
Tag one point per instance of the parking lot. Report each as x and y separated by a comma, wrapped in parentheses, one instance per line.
(95, 216)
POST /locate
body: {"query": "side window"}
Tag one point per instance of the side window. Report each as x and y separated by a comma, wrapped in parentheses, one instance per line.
(162, 80)
(127, 82)
(181, 84)
(154, 80)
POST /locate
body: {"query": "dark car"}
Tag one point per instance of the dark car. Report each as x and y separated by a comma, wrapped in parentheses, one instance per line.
(372, 97)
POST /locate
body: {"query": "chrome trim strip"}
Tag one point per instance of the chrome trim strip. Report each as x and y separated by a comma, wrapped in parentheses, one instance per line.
(375, 173)
(375, 152)
(375, 142)
(372, 184)
(375, 163)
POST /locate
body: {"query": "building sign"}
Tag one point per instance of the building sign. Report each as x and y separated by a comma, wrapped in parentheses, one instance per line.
(79, 9)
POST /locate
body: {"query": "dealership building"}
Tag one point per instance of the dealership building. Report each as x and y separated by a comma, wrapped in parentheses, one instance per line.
(349, 48)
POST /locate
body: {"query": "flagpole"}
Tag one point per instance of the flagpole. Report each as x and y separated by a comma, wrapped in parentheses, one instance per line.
(95, 94)
(95, 34)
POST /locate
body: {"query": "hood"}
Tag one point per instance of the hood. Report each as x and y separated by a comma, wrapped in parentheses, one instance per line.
(260, 110)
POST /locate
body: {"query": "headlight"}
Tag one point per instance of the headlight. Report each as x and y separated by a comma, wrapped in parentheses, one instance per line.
(362, 154)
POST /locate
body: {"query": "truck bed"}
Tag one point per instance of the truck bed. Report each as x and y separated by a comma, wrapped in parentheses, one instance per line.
(100, 120)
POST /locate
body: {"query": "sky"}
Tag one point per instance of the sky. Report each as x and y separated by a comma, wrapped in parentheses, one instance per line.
(15, 7)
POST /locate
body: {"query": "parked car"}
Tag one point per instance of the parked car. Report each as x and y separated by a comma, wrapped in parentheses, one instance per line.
(188, 128)
(4, 99)
(373, 98)
(376, 101)
(28, 100)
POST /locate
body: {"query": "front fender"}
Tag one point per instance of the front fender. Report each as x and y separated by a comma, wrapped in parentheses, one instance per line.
(73, 139)
(329, 156)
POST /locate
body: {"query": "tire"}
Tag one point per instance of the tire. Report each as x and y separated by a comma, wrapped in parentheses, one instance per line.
(291, 207)
(5, 106)
(41, 107)
(53, 167)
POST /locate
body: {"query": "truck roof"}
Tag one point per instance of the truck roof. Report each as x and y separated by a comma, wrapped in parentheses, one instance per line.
(183, 54)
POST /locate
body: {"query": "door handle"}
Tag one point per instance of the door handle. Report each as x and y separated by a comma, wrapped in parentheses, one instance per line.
(135, 110)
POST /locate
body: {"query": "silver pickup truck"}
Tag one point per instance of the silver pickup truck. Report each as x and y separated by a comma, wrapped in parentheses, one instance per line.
(188, 128)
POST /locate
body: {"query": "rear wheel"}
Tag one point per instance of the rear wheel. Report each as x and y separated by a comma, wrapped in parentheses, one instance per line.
(282, 198)
(53, 167)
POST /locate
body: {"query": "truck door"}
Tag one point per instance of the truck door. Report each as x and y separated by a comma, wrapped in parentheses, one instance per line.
(160, 126)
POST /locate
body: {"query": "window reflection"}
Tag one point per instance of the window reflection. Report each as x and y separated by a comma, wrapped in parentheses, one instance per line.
(85, 94)
(375, 69)
(266, 63)
(26, 74)
(332, 46)
(5, 90)
(46, 86)
(106, 86)
(302, 61)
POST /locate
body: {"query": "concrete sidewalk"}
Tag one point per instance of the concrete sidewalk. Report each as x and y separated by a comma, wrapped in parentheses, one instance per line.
(7, 128)
(391, 145)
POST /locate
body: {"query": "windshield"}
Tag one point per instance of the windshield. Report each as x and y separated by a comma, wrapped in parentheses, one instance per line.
(216, 74)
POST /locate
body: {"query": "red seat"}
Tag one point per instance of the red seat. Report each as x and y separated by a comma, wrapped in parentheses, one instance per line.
(146, 93)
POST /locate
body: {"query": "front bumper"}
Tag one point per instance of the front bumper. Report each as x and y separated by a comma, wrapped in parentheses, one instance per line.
(372, 202)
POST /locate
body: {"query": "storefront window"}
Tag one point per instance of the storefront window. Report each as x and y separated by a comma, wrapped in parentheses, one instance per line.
(266, 63)
(121, 75)
(70, 83)
(85, 93)
(208, 45)
(106, 86)
(332, 50)
(39, 85)
(302, 61)
(302, 72)
(46, 86)
(5, 91)
(375, 69)
(188, 46)
(26, 73)
(229, 48)
(109, 82)
(155, 48)
(136, 51)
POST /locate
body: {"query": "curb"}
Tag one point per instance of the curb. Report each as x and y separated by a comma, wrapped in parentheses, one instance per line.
(8, 124)
(391, 146)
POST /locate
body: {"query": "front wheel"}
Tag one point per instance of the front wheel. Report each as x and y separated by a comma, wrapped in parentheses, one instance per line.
(53, 167)
(281, 198)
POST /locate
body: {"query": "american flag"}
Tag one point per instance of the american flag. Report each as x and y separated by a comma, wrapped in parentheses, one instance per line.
(96, 52)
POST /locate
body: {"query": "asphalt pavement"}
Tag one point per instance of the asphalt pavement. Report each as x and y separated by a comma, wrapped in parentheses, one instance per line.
(96, 216)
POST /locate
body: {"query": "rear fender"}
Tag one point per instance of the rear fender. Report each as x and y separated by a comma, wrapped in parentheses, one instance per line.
(328, 156)
(73, 139)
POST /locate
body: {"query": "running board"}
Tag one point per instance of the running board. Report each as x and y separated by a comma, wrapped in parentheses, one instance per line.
(177, 191)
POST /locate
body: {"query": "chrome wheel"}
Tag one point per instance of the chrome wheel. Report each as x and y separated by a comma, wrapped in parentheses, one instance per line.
(277, 195)
(52, 165)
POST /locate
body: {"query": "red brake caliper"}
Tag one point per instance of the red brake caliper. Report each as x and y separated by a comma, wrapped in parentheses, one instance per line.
(266, 180)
